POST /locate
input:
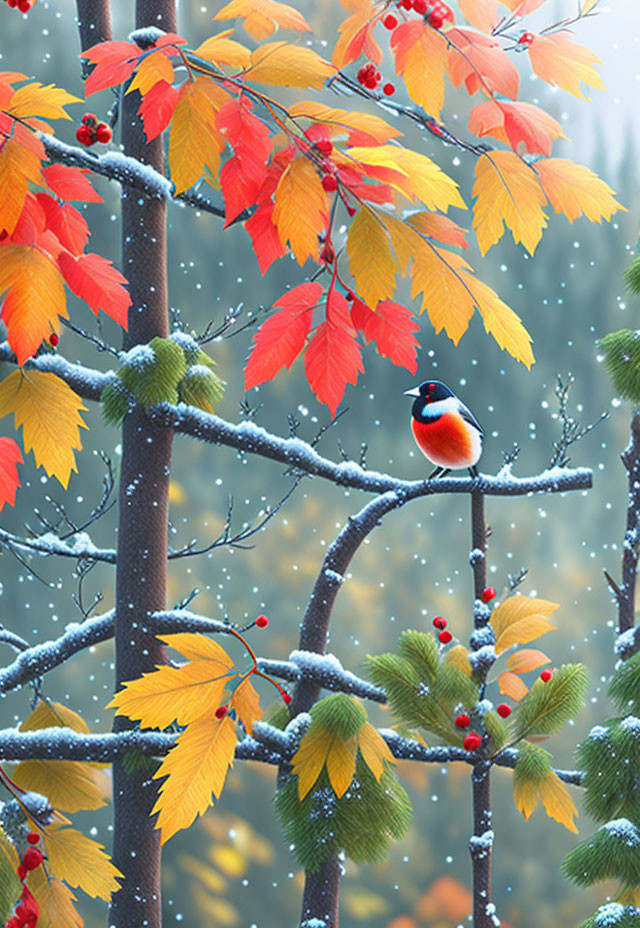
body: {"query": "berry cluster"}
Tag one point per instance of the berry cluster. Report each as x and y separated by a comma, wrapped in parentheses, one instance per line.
(27, 910)
(444, 637)
(23, 5)
(370, 77)
(434, 13)
(92, 131)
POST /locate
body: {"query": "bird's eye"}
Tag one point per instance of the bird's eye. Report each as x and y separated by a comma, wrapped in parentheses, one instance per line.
(431, 386)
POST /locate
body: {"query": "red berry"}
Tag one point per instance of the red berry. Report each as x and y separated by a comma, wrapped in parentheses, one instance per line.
(439, 622)
(103, 132)
(53, 341)
(526, 38)
(286, 698)
(546, 675)
(388, 89)
(463, 720)
(406, 4)
(420, 6)
(327, 255)
(32, 858)
(350, 296)
(262, 621)
(503, 710)
(84, 135)
(12, 3)
(472, 741)
(220, 712)
(488, 594)
(447, 12)
(21, 871)
(436, 19)
(89, 119)
(445, 637)
(329, 183)
(390, 22)
(24, 5)
(33, 837)
(325, 147)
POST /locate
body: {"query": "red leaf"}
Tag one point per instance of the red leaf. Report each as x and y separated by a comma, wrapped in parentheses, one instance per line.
(156, 108)
(264, 236)
(332, 358)
(10, 457)
(96, 281)
(31, 224)
(391, 327)
(281, 338)
(66, 223)
(114, 63)
(240, 192)
(70, 183)
(482, 64)
(248, 136)
(171, 38)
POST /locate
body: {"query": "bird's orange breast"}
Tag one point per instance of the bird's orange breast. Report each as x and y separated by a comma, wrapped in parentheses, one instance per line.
(447, 441)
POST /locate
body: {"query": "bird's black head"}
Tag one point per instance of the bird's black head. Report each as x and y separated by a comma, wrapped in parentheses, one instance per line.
(430, 391)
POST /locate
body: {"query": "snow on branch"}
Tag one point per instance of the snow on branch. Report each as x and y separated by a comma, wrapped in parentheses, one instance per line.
(127, 171)
(253, 439)
(325, 670)
(78, 546)
(85, 381)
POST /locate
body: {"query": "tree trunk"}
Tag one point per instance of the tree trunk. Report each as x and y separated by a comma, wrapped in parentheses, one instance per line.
(143, 515)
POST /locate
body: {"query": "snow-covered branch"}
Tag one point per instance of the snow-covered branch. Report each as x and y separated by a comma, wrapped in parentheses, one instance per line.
(325, 670)
(78, 546)
(85, 381)
(127, 171)
(293, 452)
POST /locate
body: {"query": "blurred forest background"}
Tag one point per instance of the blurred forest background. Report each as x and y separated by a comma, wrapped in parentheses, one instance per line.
(233, 867)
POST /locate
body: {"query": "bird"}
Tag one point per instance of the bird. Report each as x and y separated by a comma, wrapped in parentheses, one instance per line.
(447, 433)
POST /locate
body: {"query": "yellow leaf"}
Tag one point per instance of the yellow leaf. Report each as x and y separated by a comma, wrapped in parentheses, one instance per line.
(194, 141)
(34, 300)
(49, 713)
(18, 166)
(501, 321)
(310, 758)
(523, 631)
(421, 59)
(300, 212)
(526, 659)
(80, 862)
(374, 750)
(587, 6)
(246, 702)
(38, 100)
(458, 657)
(152, 69)
(195, 769)
(170, 694)
(421, 177)
(403, 240)
(285, 65)
(341, 122)
(573, 189)
(56, 902)
(519, 607)
(370, 259)
(261, 17)
(562, 63)
(341, 764)
(508, 193)
(356, 34)
(526, 793)
(446, 297)
(512, 685)
(195, 647)
(222, 50)
(69, 785)
(49, 412)
(557, 802)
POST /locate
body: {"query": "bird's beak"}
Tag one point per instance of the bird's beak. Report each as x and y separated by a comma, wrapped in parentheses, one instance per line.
(414, 392)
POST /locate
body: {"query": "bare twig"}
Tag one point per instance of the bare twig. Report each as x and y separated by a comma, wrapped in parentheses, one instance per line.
(572, 431)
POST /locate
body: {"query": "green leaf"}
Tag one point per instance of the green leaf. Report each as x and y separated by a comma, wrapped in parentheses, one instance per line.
(632, 276)
(201, 387)
(622, 359)
(547, 706)
(613, 852)
(117, 401)
(497, 731)
(624, 689)
(421, 650)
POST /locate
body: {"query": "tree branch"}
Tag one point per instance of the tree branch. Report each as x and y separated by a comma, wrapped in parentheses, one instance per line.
(85, 381)
(626, 594)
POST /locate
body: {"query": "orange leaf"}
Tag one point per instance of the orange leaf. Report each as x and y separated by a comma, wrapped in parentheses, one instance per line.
(482, 14)
(523, 631)
(361, 128)
(440, 228)
(341, 764)
(507, 193)
(526, 659)
(301, 212)
(195, 770)
(421, 59)
(70, 183)
(194, 141)
(34, 298)
(18, 166)
(557, 802)
(573, 189)
(10, 457)
(356, 35)
(517, 607)
(152, 69)
(483, 66)
(286, 65)
(222, 50)
(262, 16)
(96, 281)
(512, 685)
(246, 702)
(516, 123)
(561, 63)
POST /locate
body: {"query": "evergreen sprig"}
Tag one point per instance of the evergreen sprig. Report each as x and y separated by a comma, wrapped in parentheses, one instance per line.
(624, 689)
(621, 352)
(613, 852)
(548, 706)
